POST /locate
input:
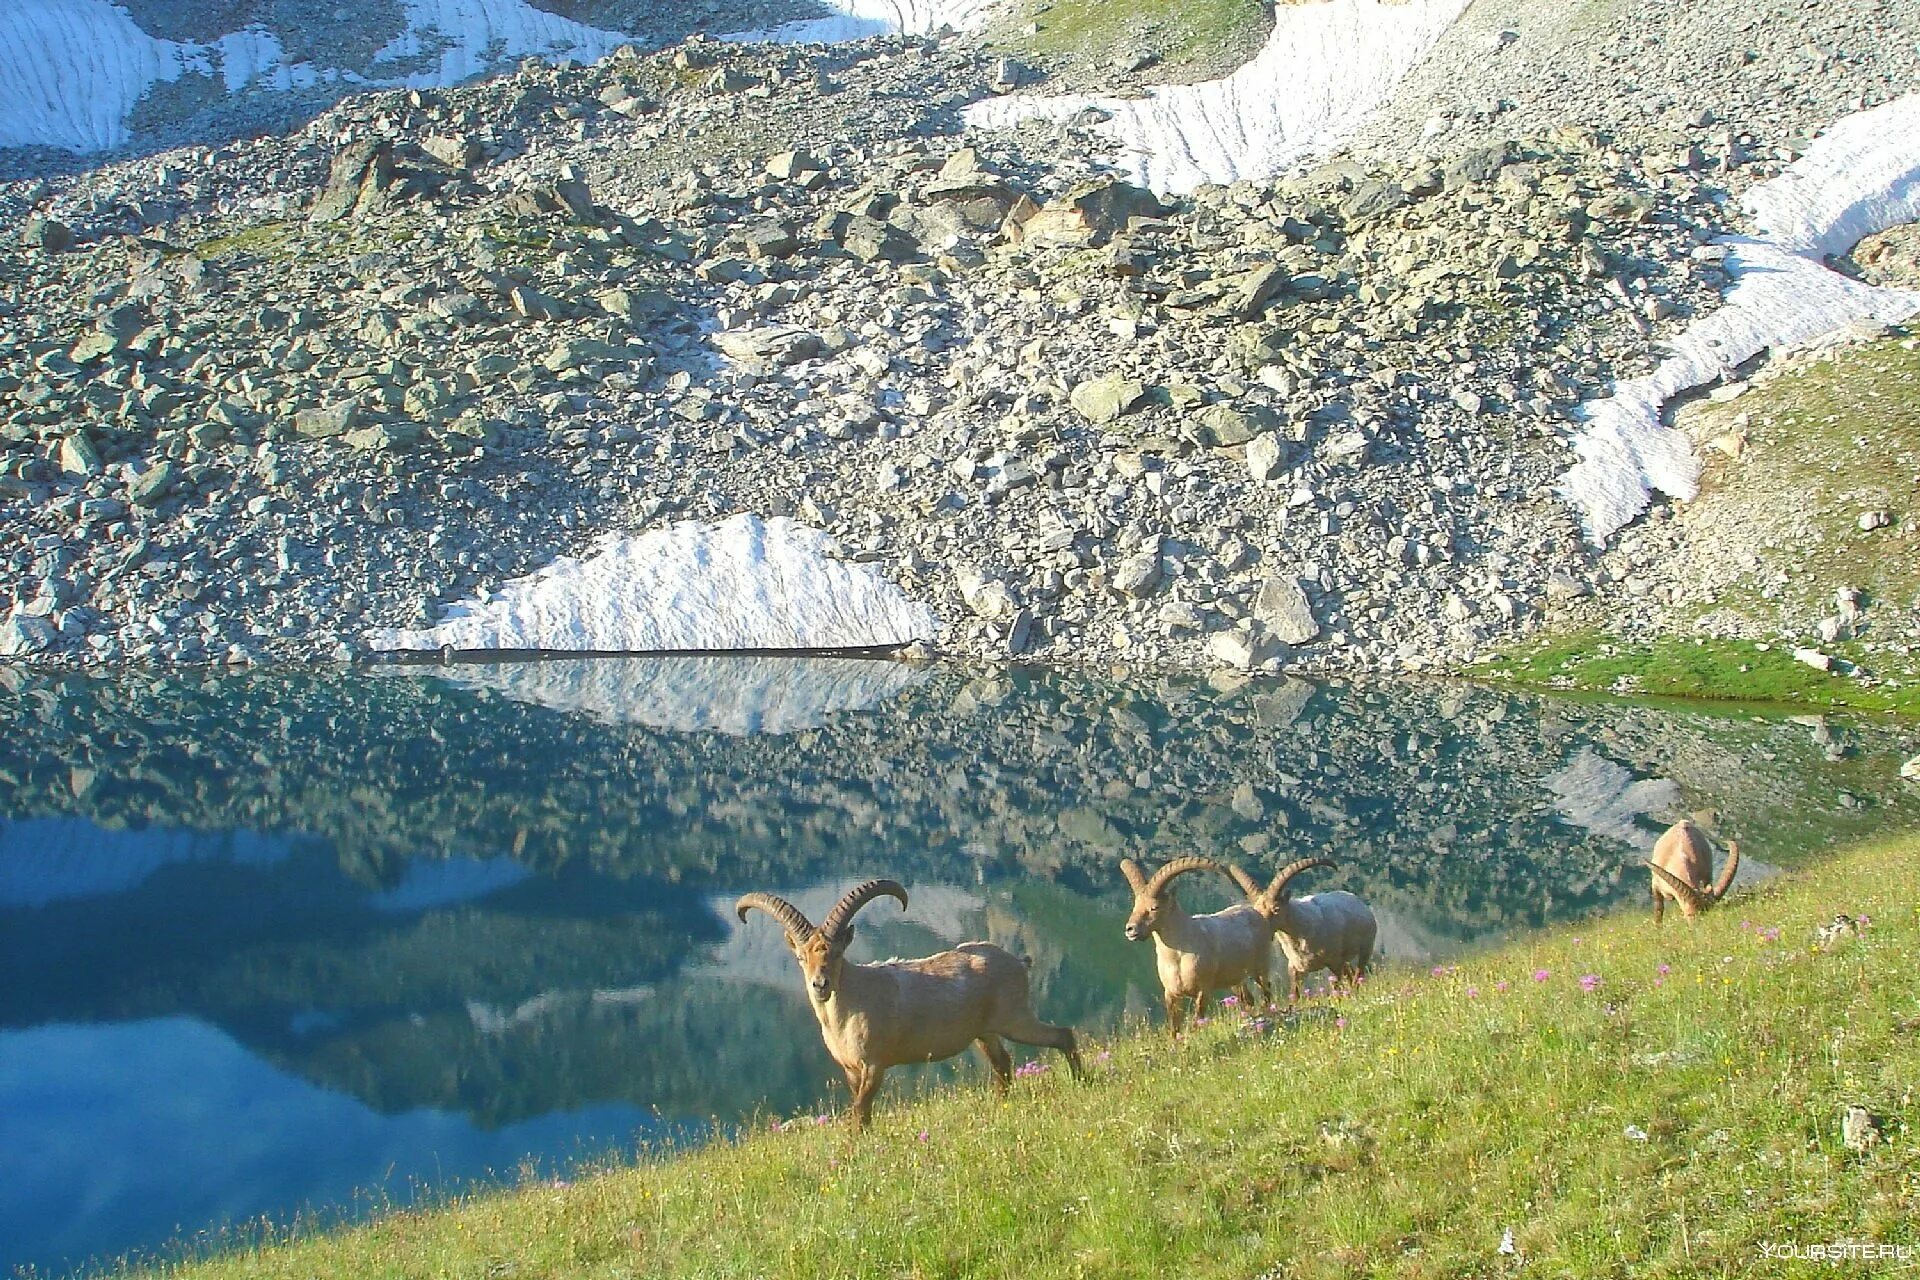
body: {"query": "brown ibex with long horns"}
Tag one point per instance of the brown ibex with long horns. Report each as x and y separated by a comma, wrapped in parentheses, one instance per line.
(875, 1016)
(1196, 955)
(1682, 869)
(1333, 931)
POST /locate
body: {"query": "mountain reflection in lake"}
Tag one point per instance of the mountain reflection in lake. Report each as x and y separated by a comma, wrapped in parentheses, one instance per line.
(267, 941)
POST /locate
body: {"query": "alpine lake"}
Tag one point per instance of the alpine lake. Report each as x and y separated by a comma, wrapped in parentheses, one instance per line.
(284, 949)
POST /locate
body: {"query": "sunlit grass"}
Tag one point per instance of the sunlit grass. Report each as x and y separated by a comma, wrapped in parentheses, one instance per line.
(1620, 1099)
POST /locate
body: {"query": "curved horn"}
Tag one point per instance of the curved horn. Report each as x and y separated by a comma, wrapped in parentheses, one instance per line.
(1248, 885)
(1136, 878)
(1725, 881)
(1278, 889)
(857, 897)
(1180, 867)
(1686, 892)
(790, 917)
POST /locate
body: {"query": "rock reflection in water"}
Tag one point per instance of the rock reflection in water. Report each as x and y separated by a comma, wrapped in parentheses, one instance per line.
(728, 693)
(502, 894)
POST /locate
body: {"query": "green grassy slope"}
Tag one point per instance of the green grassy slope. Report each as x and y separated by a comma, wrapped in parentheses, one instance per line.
(1621, 1099)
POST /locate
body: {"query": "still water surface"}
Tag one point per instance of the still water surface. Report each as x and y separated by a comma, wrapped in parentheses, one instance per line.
(289, 944)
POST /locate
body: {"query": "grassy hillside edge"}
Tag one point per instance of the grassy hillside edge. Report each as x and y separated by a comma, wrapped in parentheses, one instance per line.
(1608, 1099)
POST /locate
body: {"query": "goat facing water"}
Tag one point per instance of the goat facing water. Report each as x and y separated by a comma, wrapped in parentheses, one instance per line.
(1682, 869)
(876, 1016)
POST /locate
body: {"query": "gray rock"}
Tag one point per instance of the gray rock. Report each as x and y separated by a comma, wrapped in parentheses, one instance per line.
(21, 635)
(765, 349)
(78, 456)
(1283, 608)
(327, 421)
(1105, 399)
(1266, 457)
(46, 233)
(1223, 425)
(1139, 575)
(150, 487)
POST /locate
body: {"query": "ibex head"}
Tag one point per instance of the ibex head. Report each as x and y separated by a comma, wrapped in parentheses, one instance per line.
(821, 950)
(1153, 895)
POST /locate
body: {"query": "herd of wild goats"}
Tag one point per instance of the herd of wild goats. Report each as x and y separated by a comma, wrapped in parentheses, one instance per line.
(875, 1016)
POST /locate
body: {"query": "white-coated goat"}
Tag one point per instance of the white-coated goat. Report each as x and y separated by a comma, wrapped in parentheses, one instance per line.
(1196, 955)
(1682, 869)
(875, 1016)
(1333, 931)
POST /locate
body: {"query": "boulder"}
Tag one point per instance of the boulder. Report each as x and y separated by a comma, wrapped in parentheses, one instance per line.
(1283, 608)
(767, 348)
(1106, 399)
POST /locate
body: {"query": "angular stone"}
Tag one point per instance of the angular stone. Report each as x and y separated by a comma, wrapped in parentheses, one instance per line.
(1283, 608)
(454, 150)
(1252, 293)
(575, 352)
(769, 240)
(327, 421)
(871, 240)
(21, 635)
(46, 233)
(1088, 214)
(1223, 426)
(766, 349)
(791, 164)
(78, 457)
(1266, 457)
(382, 437)
(150, 487)
(1139, 575)
(361, 172)
(1107, 398)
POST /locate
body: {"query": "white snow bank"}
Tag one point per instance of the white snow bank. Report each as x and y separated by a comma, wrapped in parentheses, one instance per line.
(72, 70)
(734, 694)
(743, 583)
(470, 37)
(861, 19)
(1861, 176)
(1325, 68)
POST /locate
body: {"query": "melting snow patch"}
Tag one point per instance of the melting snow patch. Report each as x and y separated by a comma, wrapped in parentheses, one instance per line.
(1861, 176)
(734, 694)
(861, 19)
(470, 37)
(71, 70)
(743, 583)
(1325, 68)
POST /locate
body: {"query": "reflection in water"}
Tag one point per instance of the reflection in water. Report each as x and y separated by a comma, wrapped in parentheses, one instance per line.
(728, 693)
(452, 916)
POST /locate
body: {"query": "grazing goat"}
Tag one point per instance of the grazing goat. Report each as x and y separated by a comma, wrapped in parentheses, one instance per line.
(1333, 931)
(875, 1016)
(1682, 866)
(1196, 954)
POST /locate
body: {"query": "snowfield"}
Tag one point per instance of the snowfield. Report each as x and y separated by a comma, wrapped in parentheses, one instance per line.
(862, 19)
(1324, 69)
(71, 71)
(1860, 177)
(743, 583)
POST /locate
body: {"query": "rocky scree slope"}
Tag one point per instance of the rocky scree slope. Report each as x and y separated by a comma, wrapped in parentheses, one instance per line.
(274, 395)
